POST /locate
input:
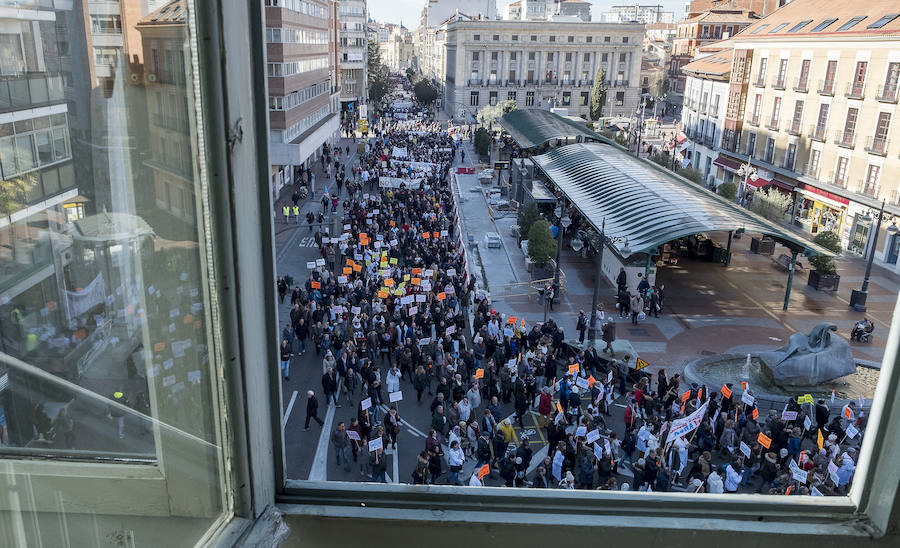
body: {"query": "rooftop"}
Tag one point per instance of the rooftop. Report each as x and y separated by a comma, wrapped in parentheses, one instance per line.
(825, 18)
(170, 14)
(717, 64)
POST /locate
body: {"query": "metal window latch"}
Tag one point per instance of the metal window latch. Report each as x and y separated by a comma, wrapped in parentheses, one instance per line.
(235, 135)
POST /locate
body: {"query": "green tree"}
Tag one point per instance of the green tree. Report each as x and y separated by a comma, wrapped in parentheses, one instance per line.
(482, 141)
(662, 159)
(824, 264)
(491, 113)
(771, 204)
(425, 92)
(691, 175)
(727, 190)
(541, 245)
(598, 94)
(378, 72)
(527, 216)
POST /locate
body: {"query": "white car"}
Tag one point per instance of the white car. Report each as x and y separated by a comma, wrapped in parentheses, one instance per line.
(492, 239)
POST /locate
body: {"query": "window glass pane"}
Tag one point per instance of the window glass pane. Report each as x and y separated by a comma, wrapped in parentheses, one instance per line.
(108, 376)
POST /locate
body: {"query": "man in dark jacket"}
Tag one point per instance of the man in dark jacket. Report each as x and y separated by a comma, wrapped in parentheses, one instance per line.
(312, 409)
(329, 385)
(822, 413)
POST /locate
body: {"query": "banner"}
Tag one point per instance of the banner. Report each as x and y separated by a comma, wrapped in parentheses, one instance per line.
(395, 182)
(79, 302)
(399, 152)
(688, 424)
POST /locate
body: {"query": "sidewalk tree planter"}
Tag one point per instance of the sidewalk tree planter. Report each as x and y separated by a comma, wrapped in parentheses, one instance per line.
(727, 191)
(762, 246)
(527, 217)
(541, 245)
(482, 142)
(825, 276)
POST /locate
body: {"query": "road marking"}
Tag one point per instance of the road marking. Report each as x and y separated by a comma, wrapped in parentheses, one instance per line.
(290, 408)
(412, 429)
(307, 241)
(396, 460)
(319, 469)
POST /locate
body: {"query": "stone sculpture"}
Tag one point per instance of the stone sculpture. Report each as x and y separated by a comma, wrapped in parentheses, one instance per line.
(808, 360)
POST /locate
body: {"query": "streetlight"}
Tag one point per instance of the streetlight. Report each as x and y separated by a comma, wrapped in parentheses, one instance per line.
(625, 252)
(566, 222)
(858, 298)
(746, 171)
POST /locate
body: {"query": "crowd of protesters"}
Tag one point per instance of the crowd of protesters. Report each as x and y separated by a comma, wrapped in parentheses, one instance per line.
(390, 299)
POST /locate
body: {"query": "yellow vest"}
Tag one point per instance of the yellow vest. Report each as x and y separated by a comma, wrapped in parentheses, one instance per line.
(296, 211)
(287, 210)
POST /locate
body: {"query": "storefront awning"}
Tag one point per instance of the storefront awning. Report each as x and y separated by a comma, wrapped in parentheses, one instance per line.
(646, 204)
(532, 127)
(727, 163)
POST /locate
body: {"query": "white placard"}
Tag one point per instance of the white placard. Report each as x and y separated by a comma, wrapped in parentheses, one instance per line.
(420, 298)
(832, 467)
(788, 415)
(507, 332)
(353, 435)
(375, 444)
(394, 242)
(851, 431)
(451, 272)
(320, 262)
(194, 377)
(429, 273)
(395, 396)
(451, 330)
(581, 431)
(815, 492)
(413, 310)
(609, 376)
(425, 340)
(582, 382)
(799, 475)
(593, 436)
(342, 279)
(366, 403)
(598, 452)
(169, 380)
(355, 310)
(745, 449)
(747, 398)
(807, 424)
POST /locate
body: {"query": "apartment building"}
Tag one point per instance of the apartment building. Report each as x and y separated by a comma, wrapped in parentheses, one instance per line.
(647, 14)
(352, 53)
(541, 64)
(812, 105)
(574, 8)
(707, 27)
(397, 50)
(703, 112)
(302, 94)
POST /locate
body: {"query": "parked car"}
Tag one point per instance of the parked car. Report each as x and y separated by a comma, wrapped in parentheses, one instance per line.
(492, 239)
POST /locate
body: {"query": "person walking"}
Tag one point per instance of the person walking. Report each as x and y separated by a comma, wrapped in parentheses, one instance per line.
(341, 445)
(637, 307)
(581, 326)
(286, 359)
(312, 409)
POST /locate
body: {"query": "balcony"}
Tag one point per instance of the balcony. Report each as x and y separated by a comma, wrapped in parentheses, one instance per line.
(779, 84)
(474, 82)
(709, 140)
(30, 90)
(551, 81)
(801, 85)
(568, 82)
(754, 121)
(794, 129)
(620, 84)
(846, 139)
(837, 179)
(760, 81)
(817, 133)
(703, 107)
(855, 90)
(876, 145)
(887, 93)
(772, 125)
(826, 87)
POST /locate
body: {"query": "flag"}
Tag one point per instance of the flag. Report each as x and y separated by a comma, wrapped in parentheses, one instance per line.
(820, 440)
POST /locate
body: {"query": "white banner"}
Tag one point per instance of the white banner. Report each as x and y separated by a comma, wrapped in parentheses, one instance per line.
(399, 152)
(79, 302)
(395, 182)
(688, 424)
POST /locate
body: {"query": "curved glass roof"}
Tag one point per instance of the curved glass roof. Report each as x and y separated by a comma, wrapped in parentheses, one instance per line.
(532, 127)
(646, 204)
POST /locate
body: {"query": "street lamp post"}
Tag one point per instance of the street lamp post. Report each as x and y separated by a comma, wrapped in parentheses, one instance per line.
(746, 171)
(625, 252)
(565, 222)
(640, 126)
(858, 297)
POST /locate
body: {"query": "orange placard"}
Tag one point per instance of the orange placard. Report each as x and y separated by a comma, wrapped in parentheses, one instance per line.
(744, 385)
(479, 373)
(393, 223)
(389, 282)
(484, 470)
(315, 285)
(159, 347)
(755, 413)
(789, 489)
(559, 407)
(523, 323)
(441, 296)
(700, 393)
(426, 235)
(357, 268)
(847, 413)
(726, 392)
(349, 262)
(348, 270)
(382, 294)
(417, 271)
(686, 396)
(591, 381)
(682, 409)
(363, 236)
(415, 281)
(764, 440)
(573, 369)
(435, 235)
(511, 320)
(188, 319)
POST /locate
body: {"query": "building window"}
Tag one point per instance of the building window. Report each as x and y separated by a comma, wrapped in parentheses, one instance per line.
(534, 37)
(552, 38)
(850, 125)
(624, 39)
(761, 75)
(770, 150)
(475, 55)
(879, 139)
(790, 156)
(496, 38)
(495, 55)
(620, 98)
(757, 102)
(751, 145)
(529, 98)
(531, 56)
(571, 39)
(859, 79)
(584, 98)
(604, 57)
(568, 57)
(840, 171)
(476, 37)
(607, 39)
(566, 98)
(870, 186)
(515, 37)
(798, 117)
(512, 76)
(827, 87)
(492, 98)
(813, 168)
(589, 39)
(511, 96)
(782, 73)
(473, 98)
(803, 81)
(776, 113)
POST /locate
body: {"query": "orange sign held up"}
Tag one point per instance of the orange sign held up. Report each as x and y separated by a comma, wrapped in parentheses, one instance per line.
(441, 296)
(479, 373)
(435, 235)
(348, 270)
(426, 235)
(686, 396)
(415, 281)
(755, 413)
(745, 385)
(559, 407)
(573, 369)
(591, 381)
(847, 413)
(315, 285)
(483, 471)
(416, 271)
(700, 393)
(764, 440)
(382, 294)
(357, 268)
(511, 320)
(726, 392)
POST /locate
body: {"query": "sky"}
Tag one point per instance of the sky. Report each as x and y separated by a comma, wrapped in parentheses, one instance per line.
(408, 11)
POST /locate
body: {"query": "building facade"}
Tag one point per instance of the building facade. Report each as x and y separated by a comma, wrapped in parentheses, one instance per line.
(574, 8)
(352, 52)
(541, 65)
(637, 14)
(703, 112)
(397, 51)
(812, 106)
(302, 94)
(713, 25)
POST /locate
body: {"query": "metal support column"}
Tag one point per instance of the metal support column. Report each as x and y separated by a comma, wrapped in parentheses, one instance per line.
(728, 250)
(592, 329)
(787, 291)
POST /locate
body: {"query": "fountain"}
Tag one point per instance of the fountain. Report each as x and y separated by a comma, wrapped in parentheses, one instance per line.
(814, 364)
